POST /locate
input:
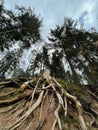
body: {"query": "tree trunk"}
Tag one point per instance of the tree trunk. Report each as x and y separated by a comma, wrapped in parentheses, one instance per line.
(75, 76)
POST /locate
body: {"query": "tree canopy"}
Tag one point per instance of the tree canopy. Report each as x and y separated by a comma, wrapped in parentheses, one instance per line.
(21, 29)
(71, 53)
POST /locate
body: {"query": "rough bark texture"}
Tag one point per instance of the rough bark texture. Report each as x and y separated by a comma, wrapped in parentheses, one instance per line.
(45, 103)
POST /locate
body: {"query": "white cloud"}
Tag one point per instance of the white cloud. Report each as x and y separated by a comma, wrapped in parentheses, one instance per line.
(54, 11)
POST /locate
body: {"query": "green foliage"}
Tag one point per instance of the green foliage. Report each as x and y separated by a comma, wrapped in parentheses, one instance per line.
(78, 47)
(19, 73)
(40, 62)
(23, 26)
(72, 46)
(9, 62)
(20, 29)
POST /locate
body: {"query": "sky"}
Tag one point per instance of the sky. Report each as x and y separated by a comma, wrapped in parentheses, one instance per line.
(54, 11)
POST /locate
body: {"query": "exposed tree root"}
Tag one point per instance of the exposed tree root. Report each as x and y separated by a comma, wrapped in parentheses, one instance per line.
(4, 83)
(15, 99)
(78, 105)
(24, 117)
(58, 91)
(93, 119)
(36, 92)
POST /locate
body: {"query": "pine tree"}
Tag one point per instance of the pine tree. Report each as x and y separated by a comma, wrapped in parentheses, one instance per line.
(76, 44)
(21, 29)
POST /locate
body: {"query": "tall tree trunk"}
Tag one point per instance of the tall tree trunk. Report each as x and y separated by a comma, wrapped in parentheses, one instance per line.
(87, 73)
(75, 76)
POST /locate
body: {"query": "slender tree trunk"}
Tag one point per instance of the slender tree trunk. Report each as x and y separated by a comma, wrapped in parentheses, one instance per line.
(75, 76)
(87, 73)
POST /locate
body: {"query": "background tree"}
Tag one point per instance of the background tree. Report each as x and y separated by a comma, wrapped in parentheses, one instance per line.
(57, 68)
(39, 62)
(71, 46)
(75, 43)
(22, 30)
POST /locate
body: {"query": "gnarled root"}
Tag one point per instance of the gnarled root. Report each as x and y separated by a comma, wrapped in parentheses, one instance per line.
(43, 86)
(31, 109)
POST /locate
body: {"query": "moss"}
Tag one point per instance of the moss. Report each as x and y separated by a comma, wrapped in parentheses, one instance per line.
(10, 96)
(71, 122)
(62, 82)
(77, 90)
(89, 127)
